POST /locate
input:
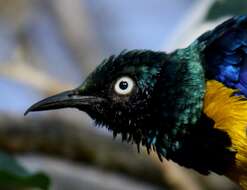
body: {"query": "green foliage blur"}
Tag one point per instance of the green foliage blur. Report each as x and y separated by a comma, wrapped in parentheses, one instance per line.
(13, 175)
(227, 7)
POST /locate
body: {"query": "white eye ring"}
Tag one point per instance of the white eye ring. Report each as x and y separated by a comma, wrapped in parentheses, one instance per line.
(124, 85)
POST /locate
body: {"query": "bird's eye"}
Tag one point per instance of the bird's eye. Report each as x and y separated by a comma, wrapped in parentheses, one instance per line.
(124, 85)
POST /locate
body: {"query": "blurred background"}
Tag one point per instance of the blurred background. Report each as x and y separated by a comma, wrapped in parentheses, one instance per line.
(48, 46)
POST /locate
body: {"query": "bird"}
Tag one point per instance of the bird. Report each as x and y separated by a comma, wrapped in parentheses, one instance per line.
(189, 106)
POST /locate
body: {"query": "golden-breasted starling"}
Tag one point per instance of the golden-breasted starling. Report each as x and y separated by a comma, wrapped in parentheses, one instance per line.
(189, 106)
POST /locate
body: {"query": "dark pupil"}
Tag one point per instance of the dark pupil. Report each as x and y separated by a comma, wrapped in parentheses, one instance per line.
(123, 85)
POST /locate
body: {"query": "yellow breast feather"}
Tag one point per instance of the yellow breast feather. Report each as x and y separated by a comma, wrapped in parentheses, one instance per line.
(230, 115)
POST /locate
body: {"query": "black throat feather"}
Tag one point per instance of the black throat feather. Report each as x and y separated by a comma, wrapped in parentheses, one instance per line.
(203, 149)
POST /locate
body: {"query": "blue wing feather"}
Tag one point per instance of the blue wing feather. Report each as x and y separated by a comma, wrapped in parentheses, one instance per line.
(225, 53)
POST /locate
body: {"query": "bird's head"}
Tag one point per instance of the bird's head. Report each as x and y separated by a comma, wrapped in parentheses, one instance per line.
(125, 93)
(117, 94)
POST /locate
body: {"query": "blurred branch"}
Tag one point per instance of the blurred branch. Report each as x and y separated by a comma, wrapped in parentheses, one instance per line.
(17, 69)
(77, 28)
(68, 140)
(15, 11)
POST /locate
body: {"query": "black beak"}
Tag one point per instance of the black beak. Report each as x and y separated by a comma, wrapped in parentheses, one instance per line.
(68, 99)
